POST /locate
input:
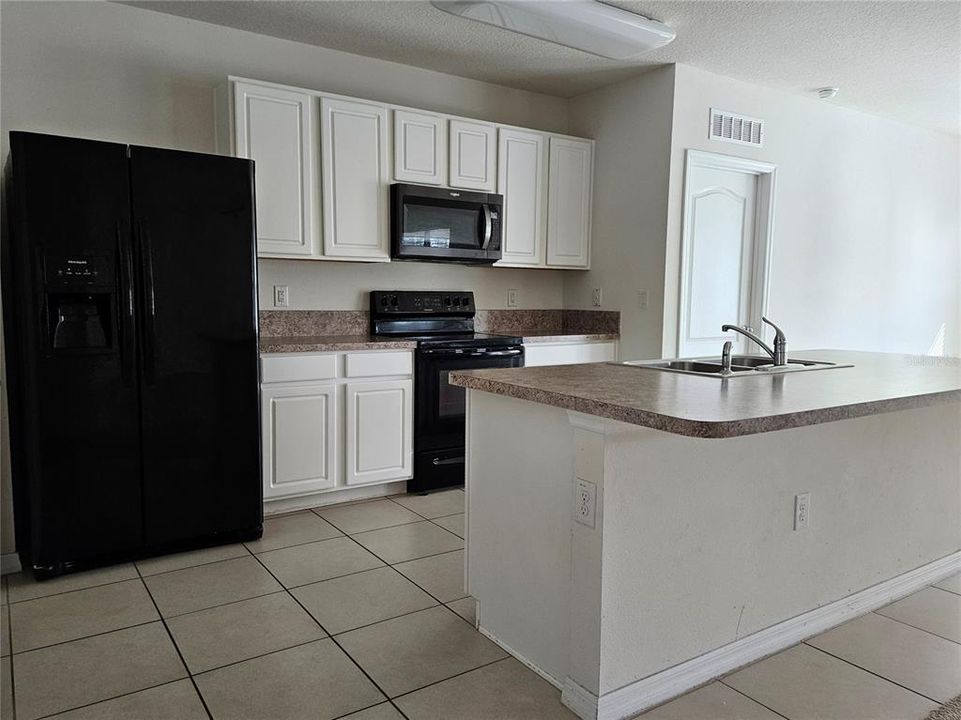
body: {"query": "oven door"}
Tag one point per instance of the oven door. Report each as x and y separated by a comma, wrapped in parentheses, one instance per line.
(440, 412)
(429, 223)
(439, 408)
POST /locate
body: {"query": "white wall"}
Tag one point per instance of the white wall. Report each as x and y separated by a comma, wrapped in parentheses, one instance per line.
(631, 124)
(867, 251)
(121, 73)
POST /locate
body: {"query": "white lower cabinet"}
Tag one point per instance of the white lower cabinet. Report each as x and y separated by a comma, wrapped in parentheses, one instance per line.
(379, 431)
(538, 354)
(336, 420)
(299, 438)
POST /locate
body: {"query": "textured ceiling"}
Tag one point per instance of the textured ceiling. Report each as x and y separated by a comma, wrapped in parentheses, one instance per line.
(899, 59)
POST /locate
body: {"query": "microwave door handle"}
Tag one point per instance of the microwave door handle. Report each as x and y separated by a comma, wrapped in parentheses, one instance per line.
(488, 226)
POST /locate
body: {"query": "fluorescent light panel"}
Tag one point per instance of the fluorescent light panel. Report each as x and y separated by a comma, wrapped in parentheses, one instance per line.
(585, 25)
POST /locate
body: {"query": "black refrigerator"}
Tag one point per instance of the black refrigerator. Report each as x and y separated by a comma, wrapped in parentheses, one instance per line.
(130, 327)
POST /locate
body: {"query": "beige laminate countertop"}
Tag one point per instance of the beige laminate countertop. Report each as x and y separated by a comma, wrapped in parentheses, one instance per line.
(331, 343)
(714, 408)
(550, 336)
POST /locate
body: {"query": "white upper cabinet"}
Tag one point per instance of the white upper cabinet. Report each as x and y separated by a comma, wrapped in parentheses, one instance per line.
(569, 184)
(276, 129)
(473, 155)
(420, 148)
(522, 180)
(324, 165)
(355, 179)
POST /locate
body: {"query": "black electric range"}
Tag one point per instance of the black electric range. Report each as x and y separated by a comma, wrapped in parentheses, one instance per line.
(442, 323)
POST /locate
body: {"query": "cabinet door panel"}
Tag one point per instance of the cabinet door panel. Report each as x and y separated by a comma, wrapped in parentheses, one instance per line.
(473, 156)
(420, 148)
(277, 129)
(569, 203)
(522, 180)
(355, 179)
(299, 439)
(379, 431)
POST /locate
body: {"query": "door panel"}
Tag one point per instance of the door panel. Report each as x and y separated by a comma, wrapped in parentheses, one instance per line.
(355, 179)
(570, 177)
(718, 259)
(74, 415)
(300, 439)
(277, 129)
(193, 217)
(473, 156)
(420, 148)
(379, 431)
(522, 180)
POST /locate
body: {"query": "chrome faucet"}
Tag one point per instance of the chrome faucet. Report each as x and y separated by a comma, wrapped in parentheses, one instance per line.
(778, 354)
(726, 359)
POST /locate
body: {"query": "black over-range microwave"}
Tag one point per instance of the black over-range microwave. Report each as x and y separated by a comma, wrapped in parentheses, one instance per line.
(444, 225)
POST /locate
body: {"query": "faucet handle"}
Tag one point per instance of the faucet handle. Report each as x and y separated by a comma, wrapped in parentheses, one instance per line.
(778, 333)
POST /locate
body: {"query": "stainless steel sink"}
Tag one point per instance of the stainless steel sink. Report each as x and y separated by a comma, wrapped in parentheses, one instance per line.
(741, 366)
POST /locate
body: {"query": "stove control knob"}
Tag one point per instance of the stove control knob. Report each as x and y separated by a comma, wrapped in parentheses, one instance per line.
(384, 301)
(447, 301)
(393, 301)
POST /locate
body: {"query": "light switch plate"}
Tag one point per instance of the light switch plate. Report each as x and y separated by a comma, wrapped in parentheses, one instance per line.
(643, 299)
(802, 511)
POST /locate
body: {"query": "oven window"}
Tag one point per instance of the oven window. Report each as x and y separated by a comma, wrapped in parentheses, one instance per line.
(451, 400)
(441, 227)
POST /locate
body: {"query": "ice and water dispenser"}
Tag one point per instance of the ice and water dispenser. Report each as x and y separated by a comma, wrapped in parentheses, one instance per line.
(80, 303)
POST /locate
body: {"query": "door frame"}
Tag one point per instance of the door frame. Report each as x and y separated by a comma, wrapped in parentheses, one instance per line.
(766, 174)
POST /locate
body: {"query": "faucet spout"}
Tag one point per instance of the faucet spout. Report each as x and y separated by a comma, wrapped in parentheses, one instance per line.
(778, 353)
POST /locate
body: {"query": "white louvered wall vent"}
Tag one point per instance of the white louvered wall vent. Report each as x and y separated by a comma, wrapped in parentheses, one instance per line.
(733, 128)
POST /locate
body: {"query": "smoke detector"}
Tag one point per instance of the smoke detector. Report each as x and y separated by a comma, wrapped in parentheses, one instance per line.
(826, 93)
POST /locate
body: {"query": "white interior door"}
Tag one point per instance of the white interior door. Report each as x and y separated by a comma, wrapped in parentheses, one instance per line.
(719, 252)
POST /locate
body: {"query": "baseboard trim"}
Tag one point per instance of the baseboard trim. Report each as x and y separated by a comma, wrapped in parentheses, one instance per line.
(517, 656)
(279, 506)
(627, 701)
(9, 563)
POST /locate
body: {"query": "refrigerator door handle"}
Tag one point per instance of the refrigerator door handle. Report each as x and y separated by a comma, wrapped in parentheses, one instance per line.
(149, 314)
(128, 348)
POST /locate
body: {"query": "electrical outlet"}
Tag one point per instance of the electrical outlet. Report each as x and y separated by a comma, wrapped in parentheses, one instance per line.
(281, 296)
(585, 500)
(512, 298)
(802, 510)
(642, 299)
(596, 297)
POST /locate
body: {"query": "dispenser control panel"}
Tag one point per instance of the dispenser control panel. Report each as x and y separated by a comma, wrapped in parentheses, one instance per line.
(78, 270)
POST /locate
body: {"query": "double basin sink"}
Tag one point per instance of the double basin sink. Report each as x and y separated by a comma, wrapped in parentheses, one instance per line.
(741, 366)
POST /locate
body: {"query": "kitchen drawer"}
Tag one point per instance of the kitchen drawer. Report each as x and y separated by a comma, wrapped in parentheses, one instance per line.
(294, 368)
(379, 363)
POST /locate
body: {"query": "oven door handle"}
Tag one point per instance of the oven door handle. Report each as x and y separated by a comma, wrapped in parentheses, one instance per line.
(488, 226)
(459, 460)
(496, 353)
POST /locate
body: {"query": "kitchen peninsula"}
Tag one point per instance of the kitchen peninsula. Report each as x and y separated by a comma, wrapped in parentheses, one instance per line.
(633, 533)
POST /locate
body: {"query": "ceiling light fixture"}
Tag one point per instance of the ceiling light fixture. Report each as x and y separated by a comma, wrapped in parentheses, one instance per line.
(586, 25)
(826, 93)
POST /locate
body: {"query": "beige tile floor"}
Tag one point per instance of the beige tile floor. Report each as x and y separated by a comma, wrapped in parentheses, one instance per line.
(358, 611)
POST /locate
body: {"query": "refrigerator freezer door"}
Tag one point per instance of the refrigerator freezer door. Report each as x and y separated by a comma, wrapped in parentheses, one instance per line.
(194, 229)
(70, 344)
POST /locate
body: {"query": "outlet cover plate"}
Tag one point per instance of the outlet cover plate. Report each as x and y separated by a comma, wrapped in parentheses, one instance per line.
(281, 296)
(585, 502)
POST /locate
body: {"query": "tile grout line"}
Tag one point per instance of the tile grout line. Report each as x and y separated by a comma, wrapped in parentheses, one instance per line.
(739, 692)
(173, 641)
(82, 637)
(907, 624)
(324, 630)
(871, 672)
(110, 699)
(13, 692)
